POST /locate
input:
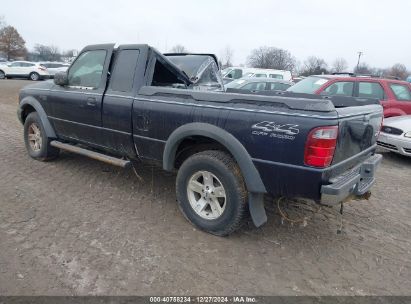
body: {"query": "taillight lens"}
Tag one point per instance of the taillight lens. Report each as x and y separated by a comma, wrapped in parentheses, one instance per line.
(42, 68)
(320, 146)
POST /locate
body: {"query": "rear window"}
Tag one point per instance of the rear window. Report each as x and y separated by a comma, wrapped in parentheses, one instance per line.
(308, 85)
(401, 92)
(124, 69)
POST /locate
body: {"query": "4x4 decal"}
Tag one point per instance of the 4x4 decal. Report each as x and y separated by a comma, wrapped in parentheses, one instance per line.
(272, 129)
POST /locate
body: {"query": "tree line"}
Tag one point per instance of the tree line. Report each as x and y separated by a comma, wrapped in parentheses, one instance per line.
(13, 46)
(276, 58)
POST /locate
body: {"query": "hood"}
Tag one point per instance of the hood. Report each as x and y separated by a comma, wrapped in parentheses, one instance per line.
(399, 122)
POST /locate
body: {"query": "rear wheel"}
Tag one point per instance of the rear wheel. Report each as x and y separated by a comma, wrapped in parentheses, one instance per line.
(211, 192)
(34, 76)
(2, 75)
(36, 141)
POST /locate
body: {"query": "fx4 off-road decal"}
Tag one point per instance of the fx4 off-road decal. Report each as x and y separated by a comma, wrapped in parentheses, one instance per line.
(272, 129)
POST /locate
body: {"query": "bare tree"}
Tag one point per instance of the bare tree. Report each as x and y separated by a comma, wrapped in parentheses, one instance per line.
(178, 48)
(47, 52)
(339, 65)
(399, 70)
(11, 43)
(363, 68)
(226, 57)
(314, 66)
(271, 58)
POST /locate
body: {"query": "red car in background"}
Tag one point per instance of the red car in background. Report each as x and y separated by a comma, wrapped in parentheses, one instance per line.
(394, 95)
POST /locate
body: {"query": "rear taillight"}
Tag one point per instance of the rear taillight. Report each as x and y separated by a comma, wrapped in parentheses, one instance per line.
(320, 146)
(42, 68)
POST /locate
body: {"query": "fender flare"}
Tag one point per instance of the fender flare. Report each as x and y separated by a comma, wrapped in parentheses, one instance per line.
(255, 185)
(31, 101)
(251, 176)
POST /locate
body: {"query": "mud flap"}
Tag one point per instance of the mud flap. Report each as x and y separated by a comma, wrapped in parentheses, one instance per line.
(256, 206)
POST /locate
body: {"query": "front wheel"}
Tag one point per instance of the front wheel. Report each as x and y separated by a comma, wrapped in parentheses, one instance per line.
(36, 141)
(211, 192)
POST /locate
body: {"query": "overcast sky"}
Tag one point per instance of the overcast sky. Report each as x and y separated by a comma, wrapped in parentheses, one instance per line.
(324, 28)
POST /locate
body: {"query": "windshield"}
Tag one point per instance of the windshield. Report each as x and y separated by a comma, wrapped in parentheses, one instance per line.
(236, 84)
(308, 85)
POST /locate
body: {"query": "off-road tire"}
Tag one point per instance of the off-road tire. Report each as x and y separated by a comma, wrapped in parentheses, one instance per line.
(222, 166)
(45, 152)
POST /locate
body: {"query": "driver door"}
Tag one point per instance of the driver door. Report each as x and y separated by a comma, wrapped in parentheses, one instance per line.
(76, 107)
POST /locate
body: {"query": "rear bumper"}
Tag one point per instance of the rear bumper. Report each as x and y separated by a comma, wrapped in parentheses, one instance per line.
(355, 182)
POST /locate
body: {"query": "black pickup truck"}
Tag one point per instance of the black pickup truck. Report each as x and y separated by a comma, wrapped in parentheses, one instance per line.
(131, 103)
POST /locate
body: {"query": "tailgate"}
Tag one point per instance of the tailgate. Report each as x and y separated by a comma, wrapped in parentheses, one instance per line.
(358, 130)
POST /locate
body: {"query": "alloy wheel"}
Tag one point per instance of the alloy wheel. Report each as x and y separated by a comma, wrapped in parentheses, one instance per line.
(206, 195)
(34, 137)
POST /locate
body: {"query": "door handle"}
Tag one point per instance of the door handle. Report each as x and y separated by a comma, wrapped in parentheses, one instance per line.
(91, 101)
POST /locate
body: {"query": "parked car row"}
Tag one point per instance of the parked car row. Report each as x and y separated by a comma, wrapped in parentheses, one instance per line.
(394, 95)
(31, 70)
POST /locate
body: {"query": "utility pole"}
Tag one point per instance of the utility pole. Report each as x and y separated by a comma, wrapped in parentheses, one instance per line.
(359, 57)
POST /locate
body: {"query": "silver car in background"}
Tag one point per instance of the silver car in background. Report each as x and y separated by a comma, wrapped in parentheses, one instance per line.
(257, 84)
(395, 135)
(55, 67)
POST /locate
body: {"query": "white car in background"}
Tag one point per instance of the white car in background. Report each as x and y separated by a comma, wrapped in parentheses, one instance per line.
(395, 135)
(24, 69)
(233, 73)
(55, 67)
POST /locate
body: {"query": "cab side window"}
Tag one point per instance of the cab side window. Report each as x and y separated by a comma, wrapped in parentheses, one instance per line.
(370, 90)
(123, 74)
(87, 70)
(341, 88)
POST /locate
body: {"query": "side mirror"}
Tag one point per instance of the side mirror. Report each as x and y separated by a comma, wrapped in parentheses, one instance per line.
(229, 76)
(61, 79)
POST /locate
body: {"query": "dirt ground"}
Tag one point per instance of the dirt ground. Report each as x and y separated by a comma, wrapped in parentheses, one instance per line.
(76, 226)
